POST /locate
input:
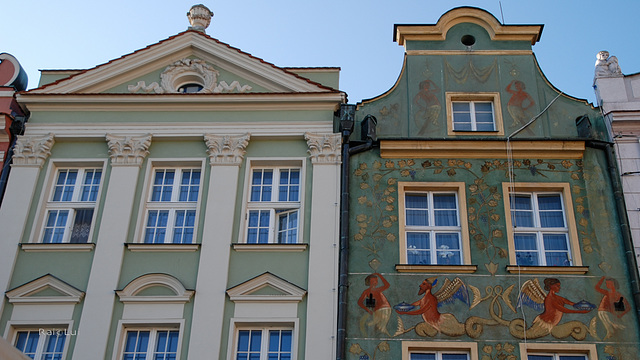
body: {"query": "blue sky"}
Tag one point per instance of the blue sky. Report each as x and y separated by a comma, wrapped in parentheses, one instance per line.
(355, 35)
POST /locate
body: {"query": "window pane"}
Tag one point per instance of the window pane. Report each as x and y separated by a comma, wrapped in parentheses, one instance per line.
(27, 342)
(156, 226)
(445, 217)
(81, 226)
(521, 211)
(261, 182)
(91, 185)
(258, 228)
(163, 185)
(540, 357)
(190, 185)
(455, 357)
(573, 357)
(136, 345)
(417, 213)
(54, 346)
(288, 227)
(483, 107)
(461, 106)
(63, 190)
(55, 226)
(289, 185)
(526, 249)
(423, 356)
(184, 226)
(418, 246)
(556, 250)
(166, 345)
(448, 249)
(279, 344)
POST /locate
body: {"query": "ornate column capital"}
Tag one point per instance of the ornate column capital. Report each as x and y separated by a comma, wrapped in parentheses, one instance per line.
(324, 148)
(226, 149)
(32, 150)
(128, 150)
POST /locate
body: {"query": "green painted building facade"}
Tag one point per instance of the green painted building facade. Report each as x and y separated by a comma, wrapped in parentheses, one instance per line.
(178, 202)
(485, 223)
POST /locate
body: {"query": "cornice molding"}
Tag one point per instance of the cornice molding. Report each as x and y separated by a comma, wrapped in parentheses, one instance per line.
(130, 293)
(470, 52)
(183, 102)
(438, 31)
(324, 148)
(182, 129)
(32, 150)
(226, 149)
(128, 150)
(481, 149)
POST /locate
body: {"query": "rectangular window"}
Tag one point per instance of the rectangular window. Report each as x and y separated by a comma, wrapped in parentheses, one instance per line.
(433, 225)
(41, 344)
(171, 208)
(157, 344)
(264, 344)
(439, 350)
(474, 114)
(440, 355)
(71, 205)
(539, 229)
(273, 208)
(545, 351)
(556, 357)
(432, 228)
(541, 225)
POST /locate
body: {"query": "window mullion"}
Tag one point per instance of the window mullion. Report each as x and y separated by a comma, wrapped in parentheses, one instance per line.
(273, 225)
(472, 107)
(275, 185)
(265, 344)
(150, 345)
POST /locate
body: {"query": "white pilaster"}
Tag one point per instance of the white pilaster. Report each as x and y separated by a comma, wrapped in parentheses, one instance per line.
(226, 154)
(30, 154)
(325, 153)
(127, 154)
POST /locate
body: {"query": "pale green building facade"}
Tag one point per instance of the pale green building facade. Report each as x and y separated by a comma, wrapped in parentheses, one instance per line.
(178, 202)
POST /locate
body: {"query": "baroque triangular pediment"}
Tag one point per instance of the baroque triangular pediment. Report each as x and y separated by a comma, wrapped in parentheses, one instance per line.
(157, 69)
(266, 287)
(46, 289)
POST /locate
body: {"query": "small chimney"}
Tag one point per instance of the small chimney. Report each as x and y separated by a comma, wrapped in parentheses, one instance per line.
(199, 17)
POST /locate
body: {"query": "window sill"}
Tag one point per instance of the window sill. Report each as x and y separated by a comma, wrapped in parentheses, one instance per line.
(461, 269)
(162, 247)
(66, 247)
(271, 247)
(568, 270)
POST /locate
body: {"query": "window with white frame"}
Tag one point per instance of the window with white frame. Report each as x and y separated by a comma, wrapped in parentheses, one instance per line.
(440, 355)
(540, 232)
(150, 343)
(473, 116)
(432, 228)
(71, 205)
(556, 356)
(171, 207)
(273, 207)
(42, 343)
(264, 343)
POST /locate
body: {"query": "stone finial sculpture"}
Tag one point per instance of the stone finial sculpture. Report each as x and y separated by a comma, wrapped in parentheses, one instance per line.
(607, 66)
(199, 17)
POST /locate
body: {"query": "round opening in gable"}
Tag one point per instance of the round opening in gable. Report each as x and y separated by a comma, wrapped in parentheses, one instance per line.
(190, 88)
(468, 40)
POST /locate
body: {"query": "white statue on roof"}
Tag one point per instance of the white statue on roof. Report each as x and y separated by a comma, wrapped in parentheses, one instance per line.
(607, 66)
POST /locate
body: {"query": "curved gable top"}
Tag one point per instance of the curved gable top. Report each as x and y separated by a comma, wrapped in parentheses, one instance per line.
(438, 31)
(131, 292)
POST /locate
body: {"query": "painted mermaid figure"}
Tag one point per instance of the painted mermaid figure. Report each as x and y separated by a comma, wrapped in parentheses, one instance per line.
(554, 305)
